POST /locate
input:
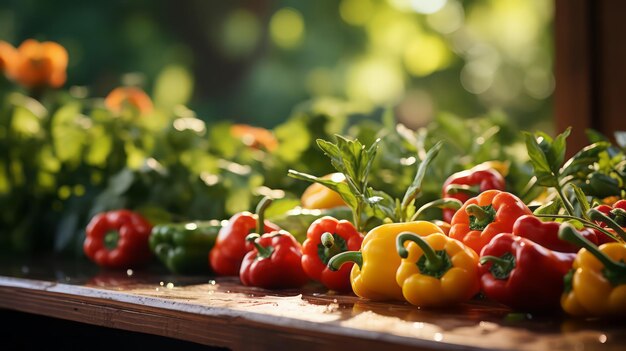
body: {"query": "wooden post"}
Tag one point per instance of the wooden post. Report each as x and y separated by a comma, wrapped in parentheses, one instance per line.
(590, 57)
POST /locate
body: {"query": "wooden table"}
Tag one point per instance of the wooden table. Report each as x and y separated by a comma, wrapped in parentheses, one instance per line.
(222, 312)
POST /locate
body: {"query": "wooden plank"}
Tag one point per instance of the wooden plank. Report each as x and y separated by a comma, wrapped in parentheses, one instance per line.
(225, 313)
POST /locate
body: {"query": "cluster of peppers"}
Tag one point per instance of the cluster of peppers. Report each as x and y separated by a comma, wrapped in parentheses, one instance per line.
(495, 245)
(498, 247)
(265, 256)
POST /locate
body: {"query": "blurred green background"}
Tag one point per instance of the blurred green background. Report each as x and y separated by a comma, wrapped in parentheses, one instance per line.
(253, 61)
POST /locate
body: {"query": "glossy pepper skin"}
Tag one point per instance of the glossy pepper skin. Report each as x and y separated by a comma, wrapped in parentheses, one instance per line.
(436, 271)
(522, 274)
(469, 183)
(315, 255)
(486, 215)
(617, 212)
(373, 276)
(183, 247)
(546, 234)
(596, 286)
(230, 247)
(274, 263)
(118, 239)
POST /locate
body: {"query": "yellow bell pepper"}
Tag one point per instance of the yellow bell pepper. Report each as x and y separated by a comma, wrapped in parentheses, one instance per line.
(374, 274)
(436, 271)
(319, 197)
(596, 285)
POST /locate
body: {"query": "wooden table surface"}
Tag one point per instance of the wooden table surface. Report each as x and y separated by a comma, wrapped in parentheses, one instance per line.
(222, 312)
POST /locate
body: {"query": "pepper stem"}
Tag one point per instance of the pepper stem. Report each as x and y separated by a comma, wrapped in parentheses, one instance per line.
(583, 221)
(263, 252)
(619, 216)
(110, 239)
(433, 261)
(598, 216)
(445, 203)
(568, 233)
(480, 216)
(347, 256)
(501, 266)
(327, 240)
(453, 189)
(260, 211)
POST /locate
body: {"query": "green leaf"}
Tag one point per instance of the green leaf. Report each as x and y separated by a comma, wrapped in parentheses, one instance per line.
(550, 208)
(595, 136)
(558, 149)
(368, 159)
(350, 156)
(281, 206)
(540, 163)
(340, 187)
(293, 139)
(581, 162)
(416, 186)
(68, 135)
(121, 181)
(581, 198)
(383, 204)
(389, 118)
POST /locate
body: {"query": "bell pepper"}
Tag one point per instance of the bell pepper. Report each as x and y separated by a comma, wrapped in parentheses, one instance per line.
(596, 285)
(486, 215)
(374, 274)
(230, 247)
(339, 236)
(274, 263)
(546, 234)
(522, 274)
(318, 197)
(469, 183)
(617, 213)
(118, 239)
(436, 270)
(183, 247)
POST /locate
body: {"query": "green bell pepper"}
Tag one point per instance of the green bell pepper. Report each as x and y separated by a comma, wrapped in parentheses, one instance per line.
(184, 247)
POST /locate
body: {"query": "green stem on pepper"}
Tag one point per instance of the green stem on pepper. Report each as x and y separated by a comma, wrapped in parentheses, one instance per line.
(263, 252)
(583, 221)
(615, 272)
(347, 256)
(433, 261)
(260, 211)
(601, 217)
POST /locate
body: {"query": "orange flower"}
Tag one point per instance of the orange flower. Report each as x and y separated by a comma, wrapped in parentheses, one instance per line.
(8, 57)
(40, 64)
(128, 96)
(255, 137)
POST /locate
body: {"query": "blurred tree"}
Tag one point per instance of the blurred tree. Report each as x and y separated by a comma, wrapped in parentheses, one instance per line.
(254, 60)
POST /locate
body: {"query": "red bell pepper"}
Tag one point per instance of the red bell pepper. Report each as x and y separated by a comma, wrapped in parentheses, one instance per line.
(483, 217)
(340, 236)
(118, 239)
(546, 234)
(522, 274)
(230, 247)
(617, 213)
(469, 183)
(274, 263)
